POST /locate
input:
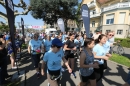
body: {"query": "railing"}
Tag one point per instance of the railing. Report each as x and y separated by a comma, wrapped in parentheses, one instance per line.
(95, 15)
(116, 6)
(91, 5)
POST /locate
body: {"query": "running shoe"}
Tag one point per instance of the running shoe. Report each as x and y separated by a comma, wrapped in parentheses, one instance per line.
(73, 74)
(48, 84)
(14, 67)
(38, 75)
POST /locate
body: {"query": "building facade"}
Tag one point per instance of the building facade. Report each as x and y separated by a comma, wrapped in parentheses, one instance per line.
(71, 24)
(114, 15)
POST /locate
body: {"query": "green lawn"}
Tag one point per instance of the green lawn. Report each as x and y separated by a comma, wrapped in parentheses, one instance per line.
(120, 59)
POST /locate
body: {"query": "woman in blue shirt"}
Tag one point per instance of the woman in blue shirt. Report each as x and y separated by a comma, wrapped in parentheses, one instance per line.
(53, 59)
(100, 55)
(47, 43)
(35, 48)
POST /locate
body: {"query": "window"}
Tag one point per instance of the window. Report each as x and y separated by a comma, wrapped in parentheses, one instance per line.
(108, 30)
(93, 23)
(110, 19)
(94, 11)
(122, 17)
(119, 32)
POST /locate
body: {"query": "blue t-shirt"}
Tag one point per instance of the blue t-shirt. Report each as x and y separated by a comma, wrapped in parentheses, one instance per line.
(47, 45)
(53, 59)
(107, 46)
(100, 51)
(76, 42)
(82, 41)
(63, 37)
(35, 45)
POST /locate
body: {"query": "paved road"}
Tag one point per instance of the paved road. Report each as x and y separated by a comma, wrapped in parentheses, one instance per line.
(115, 75)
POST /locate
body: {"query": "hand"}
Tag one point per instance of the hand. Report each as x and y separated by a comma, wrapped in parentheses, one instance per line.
(95, 65)
(70, 70)
(42, 73)
(74, 48)
(106, 58)
(109, 55)
(96, 62)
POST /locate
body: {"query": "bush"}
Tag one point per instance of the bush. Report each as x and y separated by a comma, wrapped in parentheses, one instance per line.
(124, 42)
(24, 46)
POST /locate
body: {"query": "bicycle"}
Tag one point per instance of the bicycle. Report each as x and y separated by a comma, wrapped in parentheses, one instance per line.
(119, 50)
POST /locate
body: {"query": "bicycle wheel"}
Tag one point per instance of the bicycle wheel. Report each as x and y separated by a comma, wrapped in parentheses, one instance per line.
(120, 50)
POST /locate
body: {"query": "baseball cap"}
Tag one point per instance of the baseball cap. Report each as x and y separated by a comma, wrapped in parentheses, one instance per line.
(57, 42)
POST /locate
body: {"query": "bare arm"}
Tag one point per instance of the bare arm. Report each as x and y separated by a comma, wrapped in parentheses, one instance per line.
(100, 57)
(66, 63)
(43, 67)
(65, 47)
(29, 49)
(3, 43)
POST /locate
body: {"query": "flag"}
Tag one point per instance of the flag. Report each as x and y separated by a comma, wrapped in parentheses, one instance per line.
(10, 16)
(22, 24)
(85, 13)
(60, 23)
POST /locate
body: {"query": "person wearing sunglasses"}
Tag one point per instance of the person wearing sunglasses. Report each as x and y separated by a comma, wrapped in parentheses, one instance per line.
(35, 48)
(53, 59)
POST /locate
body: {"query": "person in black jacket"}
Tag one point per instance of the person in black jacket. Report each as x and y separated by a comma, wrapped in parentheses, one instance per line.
(3, 61)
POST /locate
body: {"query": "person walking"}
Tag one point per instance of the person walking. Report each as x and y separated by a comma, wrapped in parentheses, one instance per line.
(87, 64)
(53, 59)
(35, 48)
(69, 48)
(100, 55)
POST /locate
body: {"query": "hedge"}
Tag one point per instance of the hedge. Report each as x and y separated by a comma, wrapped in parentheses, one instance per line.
(124, 42)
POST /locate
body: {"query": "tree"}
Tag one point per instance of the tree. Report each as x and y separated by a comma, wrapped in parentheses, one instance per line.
(78, 15)
(21, 4)
(51, 10)
(4, 28)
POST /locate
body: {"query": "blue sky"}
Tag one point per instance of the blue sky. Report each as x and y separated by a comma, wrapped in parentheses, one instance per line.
(28, 19)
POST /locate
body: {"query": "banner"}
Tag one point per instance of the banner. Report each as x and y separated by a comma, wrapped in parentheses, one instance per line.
(85, 13)
(10, 15)
(60, 23)
(22, 24)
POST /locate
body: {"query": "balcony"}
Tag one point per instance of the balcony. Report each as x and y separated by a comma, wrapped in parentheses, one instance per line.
(116, 6)
(91, 5)
(95, 15)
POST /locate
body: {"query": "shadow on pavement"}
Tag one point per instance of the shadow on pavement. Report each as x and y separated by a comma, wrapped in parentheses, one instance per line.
(107, 72)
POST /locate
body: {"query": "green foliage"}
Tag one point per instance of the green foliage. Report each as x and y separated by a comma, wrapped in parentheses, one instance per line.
(120, 59)
(51, 10)
(124, 42)
(4, 28)
(24, 46)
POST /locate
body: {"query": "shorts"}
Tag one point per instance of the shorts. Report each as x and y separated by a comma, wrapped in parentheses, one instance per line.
(52, 82)
(12, 54)
(87, 78)
(36, 59)
(67, 56)
(128, 78)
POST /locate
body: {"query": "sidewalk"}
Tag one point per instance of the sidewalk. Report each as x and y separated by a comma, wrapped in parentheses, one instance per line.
(115, 75)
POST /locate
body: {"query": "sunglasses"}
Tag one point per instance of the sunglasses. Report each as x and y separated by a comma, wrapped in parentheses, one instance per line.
(111, 35)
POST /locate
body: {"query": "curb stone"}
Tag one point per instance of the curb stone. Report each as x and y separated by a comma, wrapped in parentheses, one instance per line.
(118, 64)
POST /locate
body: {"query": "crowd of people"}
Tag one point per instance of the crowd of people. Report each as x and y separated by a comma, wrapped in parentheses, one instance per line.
(92, 54)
